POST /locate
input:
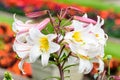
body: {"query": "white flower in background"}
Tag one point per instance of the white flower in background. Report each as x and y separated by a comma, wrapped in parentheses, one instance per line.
(42, 45)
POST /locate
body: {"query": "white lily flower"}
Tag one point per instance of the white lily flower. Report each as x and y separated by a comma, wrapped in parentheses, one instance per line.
(81, 41)
(19, 26)
(43, 45)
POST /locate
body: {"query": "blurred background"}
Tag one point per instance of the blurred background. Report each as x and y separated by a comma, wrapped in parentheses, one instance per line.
(107, 9)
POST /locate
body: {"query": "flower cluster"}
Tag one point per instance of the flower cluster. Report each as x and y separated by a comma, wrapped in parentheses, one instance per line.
(80, 37)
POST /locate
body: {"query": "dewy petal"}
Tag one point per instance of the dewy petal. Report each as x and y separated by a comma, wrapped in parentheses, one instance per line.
(54, 47)
(45, 58)
(34, 53)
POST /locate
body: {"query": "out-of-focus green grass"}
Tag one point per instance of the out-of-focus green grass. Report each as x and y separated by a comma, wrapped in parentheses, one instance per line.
(5, 19)
(97, 4)
(113, 49)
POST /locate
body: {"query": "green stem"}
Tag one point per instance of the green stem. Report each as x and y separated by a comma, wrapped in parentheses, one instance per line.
(61, 72)
(108, 70)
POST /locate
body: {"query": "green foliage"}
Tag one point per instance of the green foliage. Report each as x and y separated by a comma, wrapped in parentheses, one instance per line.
(113, 49)
(7, 76)
(68, 66)
(97, 4)
(48, 78)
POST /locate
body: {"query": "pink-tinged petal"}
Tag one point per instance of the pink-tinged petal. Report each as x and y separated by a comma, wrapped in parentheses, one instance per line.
(21, 38)
(20, 26)
(36, 14)
(74, 8)
(23, 31)
(21, 49)
(43, 24)
(45, 58)
(116, 77)
(86, 20)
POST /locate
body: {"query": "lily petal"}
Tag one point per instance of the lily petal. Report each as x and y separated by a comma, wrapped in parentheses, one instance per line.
(20, 65)
(85, 66)
(35, 34)
(45, 58)
(34, 53)
(54, 47)
(51, 36)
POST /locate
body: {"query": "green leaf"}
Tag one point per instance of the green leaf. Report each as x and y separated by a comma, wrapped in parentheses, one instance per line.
(52, 62)
(68, 66)
(58, 78)
(55, 55)
(63, 57)
(7, 76)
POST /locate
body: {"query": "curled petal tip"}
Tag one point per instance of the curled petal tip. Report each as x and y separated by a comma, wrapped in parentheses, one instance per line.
(85, 15)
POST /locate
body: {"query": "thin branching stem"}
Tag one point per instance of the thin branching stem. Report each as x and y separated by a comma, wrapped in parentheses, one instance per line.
(66, 59)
